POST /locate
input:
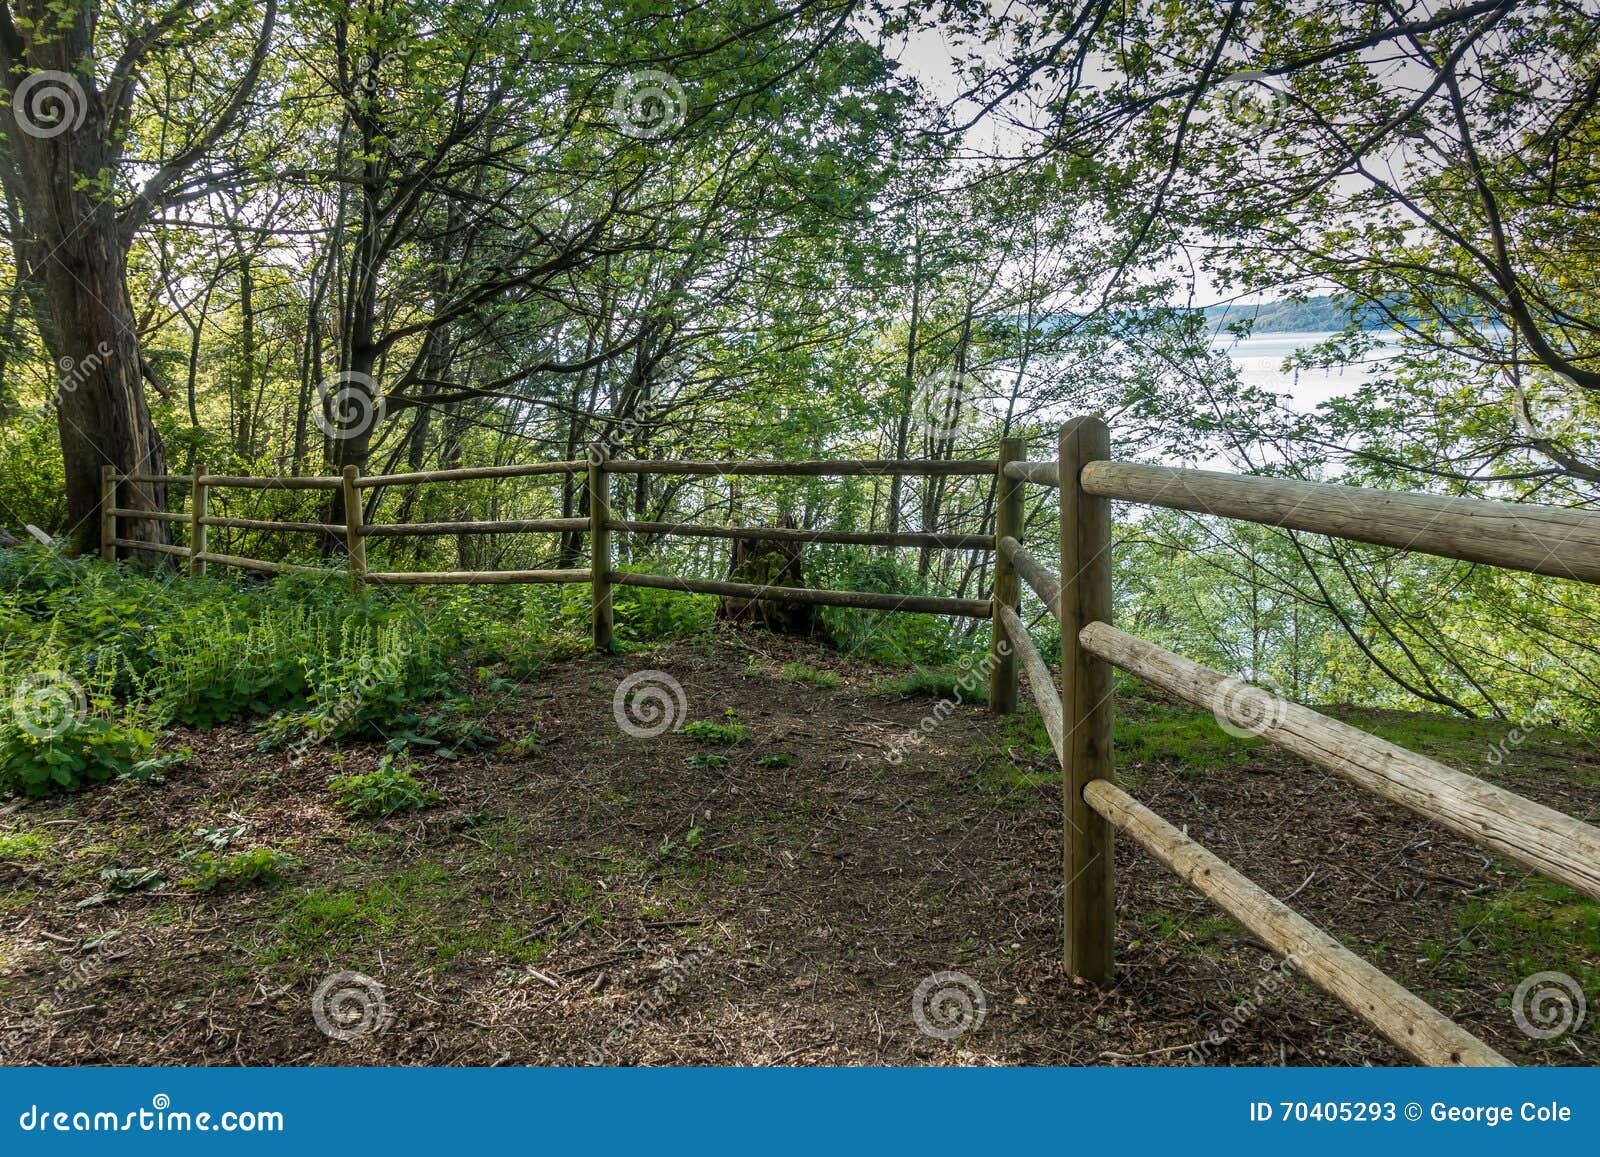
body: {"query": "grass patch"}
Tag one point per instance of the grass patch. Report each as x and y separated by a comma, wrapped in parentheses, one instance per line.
(265, 867)
(1538, 927)
(815, 676)
(429, 910)
(1189, 740)
(23, 845)
(939, 682)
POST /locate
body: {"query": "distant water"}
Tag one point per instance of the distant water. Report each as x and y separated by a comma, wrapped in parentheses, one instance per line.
(1260, 357)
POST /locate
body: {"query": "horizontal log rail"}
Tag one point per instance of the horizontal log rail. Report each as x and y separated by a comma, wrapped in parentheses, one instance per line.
(865, 600)
(503, 526)
(1040, 681)
(841, 468)
(1040, 580)
(271, 524)
(153, 515)
(283, 482)
(463, 577)
(154, 547)
(1547, 540)
(1043, 473)
(1411, 1023)
(468, 473)
(261, 564)
(793, 534)
(1535, 836)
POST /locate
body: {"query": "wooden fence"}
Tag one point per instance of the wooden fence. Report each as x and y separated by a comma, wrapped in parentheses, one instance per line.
(1077, 709)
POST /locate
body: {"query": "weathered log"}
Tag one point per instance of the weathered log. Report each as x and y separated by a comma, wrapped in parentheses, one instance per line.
(1546, 540)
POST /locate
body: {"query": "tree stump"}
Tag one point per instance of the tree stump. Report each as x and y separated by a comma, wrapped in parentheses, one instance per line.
(770, 562)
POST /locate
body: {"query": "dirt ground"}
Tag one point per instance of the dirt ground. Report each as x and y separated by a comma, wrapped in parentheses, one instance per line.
(585, 895)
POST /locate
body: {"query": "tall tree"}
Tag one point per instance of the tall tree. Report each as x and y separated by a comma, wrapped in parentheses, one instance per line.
(86, 165)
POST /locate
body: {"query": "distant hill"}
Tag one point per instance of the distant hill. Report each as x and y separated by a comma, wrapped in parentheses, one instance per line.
(1314, 315)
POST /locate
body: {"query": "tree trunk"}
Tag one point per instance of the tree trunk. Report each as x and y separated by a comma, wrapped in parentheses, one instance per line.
(74, 253)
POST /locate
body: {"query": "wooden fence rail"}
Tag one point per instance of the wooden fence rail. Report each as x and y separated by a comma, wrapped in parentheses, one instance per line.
(1078, 716)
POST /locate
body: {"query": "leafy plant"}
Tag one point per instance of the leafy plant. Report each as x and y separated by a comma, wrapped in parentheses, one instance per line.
(382, 792)
(87, 750)
(719, 734)
(218, 873)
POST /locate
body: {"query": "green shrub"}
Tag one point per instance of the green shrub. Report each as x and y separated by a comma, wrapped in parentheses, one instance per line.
(382, 792)
(87, 750)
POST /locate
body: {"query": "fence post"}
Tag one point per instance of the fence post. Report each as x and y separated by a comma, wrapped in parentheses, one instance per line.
(600, 546)
(198, 504)
(355, 544)
(1086, 689)
(1008, 514)
(108, 521)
